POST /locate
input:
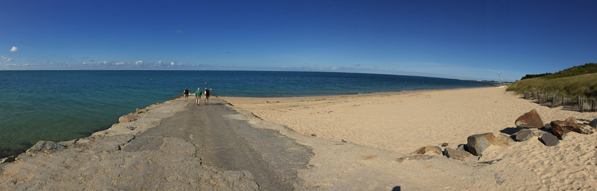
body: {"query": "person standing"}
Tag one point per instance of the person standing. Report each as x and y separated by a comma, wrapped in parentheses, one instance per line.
(186, 94)
(206, 100)
(198, 95)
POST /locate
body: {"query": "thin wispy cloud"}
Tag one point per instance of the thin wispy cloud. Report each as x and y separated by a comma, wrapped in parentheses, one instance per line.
(6, 59)
(14, 49)
(356, 64)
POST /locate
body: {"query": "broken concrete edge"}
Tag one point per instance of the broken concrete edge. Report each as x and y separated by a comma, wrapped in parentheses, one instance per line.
(90, 139)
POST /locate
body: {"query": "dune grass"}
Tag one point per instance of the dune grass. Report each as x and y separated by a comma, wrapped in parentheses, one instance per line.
(584, 85)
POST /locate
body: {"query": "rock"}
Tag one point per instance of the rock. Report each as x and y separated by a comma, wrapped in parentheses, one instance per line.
(444, 144)
(571, 120)
(428, 150)
(524, 134)
(476, 144)
(502, 140)
(539, 133)
(581, 128)
(560, 128)
(416, 157)
(461, 147)
(593, 123)
(529, 120)
(128, 118)
(46, 146)
(456, 154)
(549, 139)
(140, 111)
(8, 159)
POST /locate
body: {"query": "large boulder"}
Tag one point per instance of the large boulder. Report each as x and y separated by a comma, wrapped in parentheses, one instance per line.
(128, 118)
(502, 140)
(46, 146)
(524, 134)
(428, 150)
(476, 144)
(530, 119)
(549, 139)
(560, 128)
(456, 154)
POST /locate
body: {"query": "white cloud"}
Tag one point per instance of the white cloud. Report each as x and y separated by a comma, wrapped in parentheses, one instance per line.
(356, 64)
(139, 62)
(6, 59)
(172, 63)
(14, 49)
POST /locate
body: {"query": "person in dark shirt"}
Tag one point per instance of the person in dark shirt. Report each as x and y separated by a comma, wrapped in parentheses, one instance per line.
(206, 100)
(186, 94)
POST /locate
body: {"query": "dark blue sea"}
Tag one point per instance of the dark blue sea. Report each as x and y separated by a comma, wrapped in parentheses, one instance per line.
(66, 105)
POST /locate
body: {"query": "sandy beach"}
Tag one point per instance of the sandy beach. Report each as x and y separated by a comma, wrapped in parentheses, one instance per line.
(353, 142)
(405, 121)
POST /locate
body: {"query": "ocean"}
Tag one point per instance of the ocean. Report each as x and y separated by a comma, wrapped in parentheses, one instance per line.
(66, 105)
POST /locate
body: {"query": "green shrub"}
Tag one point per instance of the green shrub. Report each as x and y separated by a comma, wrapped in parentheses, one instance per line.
(584, 85)
(587, 68)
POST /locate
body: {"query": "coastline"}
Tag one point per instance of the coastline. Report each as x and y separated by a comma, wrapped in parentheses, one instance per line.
(356, 140)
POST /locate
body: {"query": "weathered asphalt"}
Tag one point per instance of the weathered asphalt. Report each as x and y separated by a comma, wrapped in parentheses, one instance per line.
(230, 144)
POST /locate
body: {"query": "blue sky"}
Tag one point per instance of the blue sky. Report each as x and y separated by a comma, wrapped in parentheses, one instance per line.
(452, 39)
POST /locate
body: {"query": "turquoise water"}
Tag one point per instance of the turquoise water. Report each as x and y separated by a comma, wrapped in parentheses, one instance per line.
(66, 105)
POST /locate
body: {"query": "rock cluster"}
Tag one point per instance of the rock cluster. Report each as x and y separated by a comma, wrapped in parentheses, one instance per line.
(530, 125)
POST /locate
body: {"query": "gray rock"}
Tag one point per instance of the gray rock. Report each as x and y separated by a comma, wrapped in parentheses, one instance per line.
(549, 139)
(456, 154)
(461, 147)
(476, 144)
(503, 140)
(593, 123)
(46, 146)
(524, 134)
(416, 157)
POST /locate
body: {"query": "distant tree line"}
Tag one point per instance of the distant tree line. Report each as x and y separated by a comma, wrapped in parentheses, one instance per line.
(534, 76)
(574, 71)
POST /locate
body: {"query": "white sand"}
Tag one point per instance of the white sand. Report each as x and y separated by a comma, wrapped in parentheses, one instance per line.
(404, 121)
